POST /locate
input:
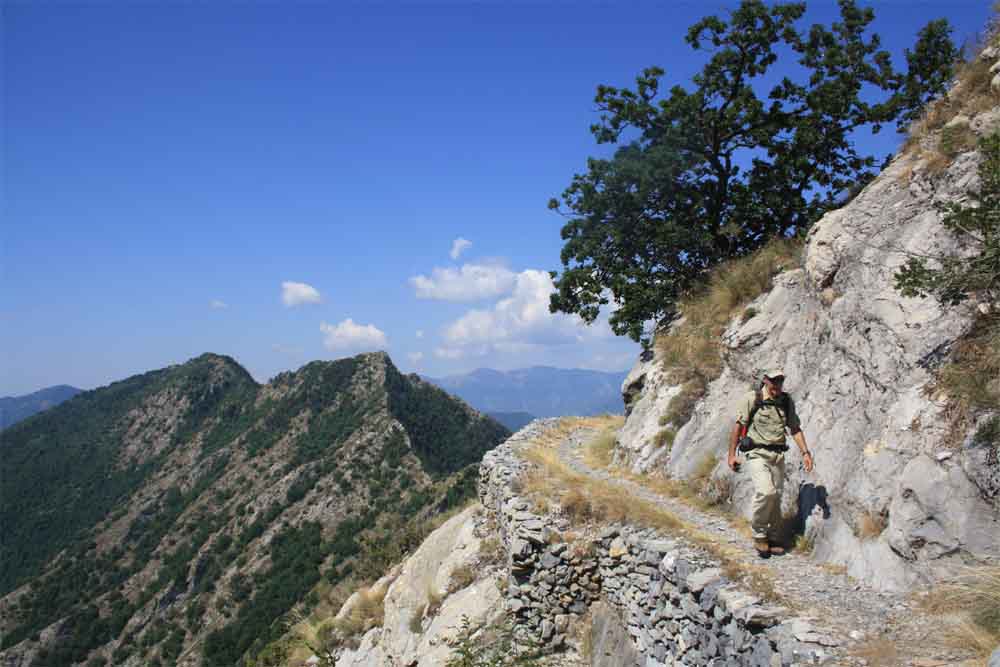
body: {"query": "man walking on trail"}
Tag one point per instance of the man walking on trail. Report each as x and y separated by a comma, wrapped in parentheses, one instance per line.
(762, 418)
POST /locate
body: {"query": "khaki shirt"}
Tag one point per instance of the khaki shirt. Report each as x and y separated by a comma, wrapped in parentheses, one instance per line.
(768, 427)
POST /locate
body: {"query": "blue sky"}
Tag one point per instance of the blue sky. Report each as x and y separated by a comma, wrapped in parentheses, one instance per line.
(283, 182)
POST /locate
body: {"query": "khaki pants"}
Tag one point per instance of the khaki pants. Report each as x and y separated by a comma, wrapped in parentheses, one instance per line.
(767, 470)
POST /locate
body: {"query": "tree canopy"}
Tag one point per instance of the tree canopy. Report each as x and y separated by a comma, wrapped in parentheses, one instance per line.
(710, 173)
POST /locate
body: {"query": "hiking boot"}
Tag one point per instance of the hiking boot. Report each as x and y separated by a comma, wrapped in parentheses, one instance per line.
(776, 550)
(763, 550)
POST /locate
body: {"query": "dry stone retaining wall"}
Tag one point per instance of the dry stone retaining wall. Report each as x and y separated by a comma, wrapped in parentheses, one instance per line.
(672, 601)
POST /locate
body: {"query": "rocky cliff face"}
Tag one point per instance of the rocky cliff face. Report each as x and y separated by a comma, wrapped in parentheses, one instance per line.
(859, 360)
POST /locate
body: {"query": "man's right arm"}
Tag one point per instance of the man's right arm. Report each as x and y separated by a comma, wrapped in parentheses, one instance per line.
(734, 439)
(742, 417)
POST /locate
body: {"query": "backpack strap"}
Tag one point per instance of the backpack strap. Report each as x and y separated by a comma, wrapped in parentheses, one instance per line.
(758, 402)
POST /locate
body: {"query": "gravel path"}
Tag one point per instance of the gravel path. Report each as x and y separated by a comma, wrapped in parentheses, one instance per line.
(855, 614)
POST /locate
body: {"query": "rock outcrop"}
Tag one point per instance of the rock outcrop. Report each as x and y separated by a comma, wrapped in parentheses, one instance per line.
(859, 360)
(428, 598)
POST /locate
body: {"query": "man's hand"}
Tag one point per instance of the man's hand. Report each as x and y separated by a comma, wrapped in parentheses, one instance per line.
(807, 461)
(734, 465)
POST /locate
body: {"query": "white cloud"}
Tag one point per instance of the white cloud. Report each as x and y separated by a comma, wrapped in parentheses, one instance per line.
(458, 246)
(420, 333)
(523, 317)
(450, 353)
(296, 294)
(415, 357)
(350, 337)
(470, 283)
(216, 304)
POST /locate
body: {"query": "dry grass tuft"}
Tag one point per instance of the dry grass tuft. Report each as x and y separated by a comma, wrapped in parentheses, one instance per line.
(664, 438)
(367, 612)
(971, 379)
(434, 600)
(691, 349)
(878, 653)
(971, 95)
(491, 551)
(971, 604)
(461, 577)
(417, 620)
(585, 499)
(599, 452)
(804, 544)
(870, 525)
(834, 568)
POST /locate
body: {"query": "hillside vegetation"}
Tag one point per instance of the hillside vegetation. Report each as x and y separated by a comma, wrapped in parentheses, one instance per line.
(177, 516)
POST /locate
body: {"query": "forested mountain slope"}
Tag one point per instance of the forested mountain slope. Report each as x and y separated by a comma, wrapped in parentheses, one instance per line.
(173, 517)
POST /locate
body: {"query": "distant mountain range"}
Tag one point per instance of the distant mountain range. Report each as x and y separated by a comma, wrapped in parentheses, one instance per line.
(541, 391)
(15, 408)
(512, 420)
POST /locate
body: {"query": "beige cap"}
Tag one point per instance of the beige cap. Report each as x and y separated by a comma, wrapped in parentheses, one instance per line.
(774, 373)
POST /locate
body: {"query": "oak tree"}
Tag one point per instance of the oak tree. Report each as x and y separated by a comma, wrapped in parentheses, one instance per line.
(712, 172)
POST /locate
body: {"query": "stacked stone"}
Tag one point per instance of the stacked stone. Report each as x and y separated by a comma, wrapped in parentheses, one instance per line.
(547, 583)
(680, 610)
(676, 606)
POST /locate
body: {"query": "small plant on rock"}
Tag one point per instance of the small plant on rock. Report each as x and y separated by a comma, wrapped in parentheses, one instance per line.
(495, 645)
(461, 577)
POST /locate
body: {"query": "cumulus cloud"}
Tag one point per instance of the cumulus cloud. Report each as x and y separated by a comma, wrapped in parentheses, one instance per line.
(458, 246)
(216, 304)
(470, 283)
(450, 353)
(521, 318)
(348, 337)
(297, 294)
(420, 333)
(415, 357)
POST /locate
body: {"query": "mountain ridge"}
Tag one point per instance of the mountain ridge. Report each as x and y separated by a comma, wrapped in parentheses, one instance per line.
(175, 488)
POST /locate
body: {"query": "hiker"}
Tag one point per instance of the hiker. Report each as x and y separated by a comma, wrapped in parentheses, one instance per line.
(761, 420)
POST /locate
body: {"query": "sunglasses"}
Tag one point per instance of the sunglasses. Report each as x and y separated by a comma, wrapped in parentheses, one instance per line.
(777, 380)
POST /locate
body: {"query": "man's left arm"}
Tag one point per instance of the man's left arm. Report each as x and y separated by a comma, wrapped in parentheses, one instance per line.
(800, 439)
(807, 458)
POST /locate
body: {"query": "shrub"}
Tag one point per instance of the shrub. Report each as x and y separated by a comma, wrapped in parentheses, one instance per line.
(416, 624)
(461, 577)
(988, 433)
(496, 645)
(434, 600)
(664, 438)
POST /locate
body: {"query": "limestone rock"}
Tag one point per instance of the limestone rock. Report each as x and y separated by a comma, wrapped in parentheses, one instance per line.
(430, 568)
(858, 362)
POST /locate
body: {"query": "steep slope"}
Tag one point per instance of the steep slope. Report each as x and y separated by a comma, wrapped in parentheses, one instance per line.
(895, 497)
(173, 517)
(15, 408)
(541, 390)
